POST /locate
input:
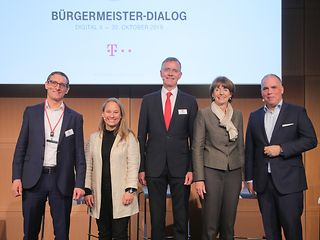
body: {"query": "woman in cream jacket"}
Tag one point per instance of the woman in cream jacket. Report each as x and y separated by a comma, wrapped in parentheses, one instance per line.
(113, 159)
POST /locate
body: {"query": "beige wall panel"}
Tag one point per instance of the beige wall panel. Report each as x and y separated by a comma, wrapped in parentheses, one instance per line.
(7, 201)
(312, 165)
(135, 105)
(11, 110)
(13, 225)
(312, 100)
(249, 224)
(90, 108)
(312, 228)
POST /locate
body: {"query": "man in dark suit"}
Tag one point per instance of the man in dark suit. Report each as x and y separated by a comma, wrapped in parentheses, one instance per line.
(165, 133)
(277, 135)
(49, 160)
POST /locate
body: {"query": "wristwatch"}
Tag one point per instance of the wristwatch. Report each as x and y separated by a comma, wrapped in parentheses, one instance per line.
(131, 190)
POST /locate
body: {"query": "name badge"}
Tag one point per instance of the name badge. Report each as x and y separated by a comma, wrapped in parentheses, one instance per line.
(69, 132)
(182, 111)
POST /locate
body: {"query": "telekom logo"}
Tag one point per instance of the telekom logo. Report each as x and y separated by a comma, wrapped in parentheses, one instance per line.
(112, 50)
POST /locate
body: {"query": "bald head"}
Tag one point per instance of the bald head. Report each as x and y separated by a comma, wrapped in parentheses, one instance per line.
(271, 90)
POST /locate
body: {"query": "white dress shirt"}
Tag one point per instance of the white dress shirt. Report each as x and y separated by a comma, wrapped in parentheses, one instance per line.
(51, 143)
(173, 98)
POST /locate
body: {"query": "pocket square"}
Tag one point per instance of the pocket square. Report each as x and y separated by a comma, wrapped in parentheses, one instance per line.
(287, 124)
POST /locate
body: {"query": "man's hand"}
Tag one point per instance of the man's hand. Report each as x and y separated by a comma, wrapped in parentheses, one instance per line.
(77, 193)
(188, 178)
(16, 188)
(272, 151)
(201, 189)
(142, 178)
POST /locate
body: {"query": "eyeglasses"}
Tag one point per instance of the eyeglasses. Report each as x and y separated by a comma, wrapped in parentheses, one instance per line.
(55, 84)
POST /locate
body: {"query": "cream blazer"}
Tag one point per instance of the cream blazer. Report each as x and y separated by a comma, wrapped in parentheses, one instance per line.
(124, 167)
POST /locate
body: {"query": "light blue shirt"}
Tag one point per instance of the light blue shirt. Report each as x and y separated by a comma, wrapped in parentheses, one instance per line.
(270, 119)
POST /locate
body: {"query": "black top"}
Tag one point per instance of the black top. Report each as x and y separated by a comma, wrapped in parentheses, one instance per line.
(107, 142)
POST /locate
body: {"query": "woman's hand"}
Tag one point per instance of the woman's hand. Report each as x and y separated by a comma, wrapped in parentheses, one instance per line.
(243, 184)
(127, 198)
(201, 189)
(250, 187)
(89, 200)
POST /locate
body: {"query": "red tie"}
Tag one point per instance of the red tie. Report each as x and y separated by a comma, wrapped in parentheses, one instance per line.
(167, 110)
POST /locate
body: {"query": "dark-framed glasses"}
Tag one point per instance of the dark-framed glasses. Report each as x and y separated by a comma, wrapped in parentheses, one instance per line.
(55, 84)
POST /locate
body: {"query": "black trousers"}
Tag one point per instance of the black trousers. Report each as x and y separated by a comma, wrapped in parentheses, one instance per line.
(108, 227)
(157, 188)
(33, 205)
(281, 211)
(113, 228)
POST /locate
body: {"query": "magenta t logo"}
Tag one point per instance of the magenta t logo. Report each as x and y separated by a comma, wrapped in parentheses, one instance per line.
(112, 49)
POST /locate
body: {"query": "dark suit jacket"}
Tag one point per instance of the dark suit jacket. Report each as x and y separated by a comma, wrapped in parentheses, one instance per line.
(29, 153)
(158, 146)
(294, 132)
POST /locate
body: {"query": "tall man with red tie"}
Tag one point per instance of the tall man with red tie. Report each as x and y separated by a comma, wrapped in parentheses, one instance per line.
(165, 133)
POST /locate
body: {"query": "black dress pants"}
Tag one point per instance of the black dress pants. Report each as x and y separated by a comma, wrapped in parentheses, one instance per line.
(157, 188)
(281, 211)
(33, 205)
(108, 227)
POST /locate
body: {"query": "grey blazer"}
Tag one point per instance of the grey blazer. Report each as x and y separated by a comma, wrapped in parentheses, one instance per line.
(211, 146)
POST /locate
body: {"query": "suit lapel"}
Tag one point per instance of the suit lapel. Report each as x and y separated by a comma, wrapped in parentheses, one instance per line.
(65, 121)
(261, 124)
(175, 110)
(159, 109)
(40, 120)
(279, 121)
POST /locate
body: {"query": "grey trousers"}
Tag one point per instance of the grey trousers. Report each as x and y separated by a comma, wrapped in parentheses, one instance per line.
(220, 203)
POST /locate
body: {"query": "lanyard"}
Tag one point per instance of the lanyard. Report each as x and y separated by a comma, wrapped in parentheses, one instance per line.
(52, 129)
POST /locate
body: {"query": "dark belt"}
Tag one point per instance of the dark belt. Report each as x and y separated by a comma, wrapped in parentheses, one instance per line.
(48, 170)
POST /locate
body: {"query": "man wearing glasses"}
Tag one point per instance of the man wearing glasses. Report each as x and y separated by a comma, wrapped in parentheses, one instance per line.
(49, 160)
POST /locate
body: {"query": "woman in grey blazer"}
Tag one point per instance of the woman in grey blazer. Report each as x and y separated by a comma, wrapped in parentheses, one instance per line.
(113, 159)
(218, 158)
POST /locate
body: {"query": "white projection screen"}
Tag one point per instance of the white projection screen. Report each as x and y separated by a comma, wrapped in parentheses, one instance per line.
(124, 41)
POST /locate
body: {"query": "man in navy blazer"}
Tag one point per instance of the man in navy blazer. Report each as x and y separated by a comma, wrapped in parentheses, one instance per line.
(165, 150)
(277, 135)
(49, 160)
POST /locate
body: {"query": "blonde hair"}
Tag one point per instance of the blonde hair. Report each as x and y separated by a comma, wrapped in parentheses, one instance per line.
(122, 127)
